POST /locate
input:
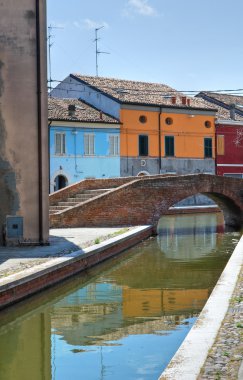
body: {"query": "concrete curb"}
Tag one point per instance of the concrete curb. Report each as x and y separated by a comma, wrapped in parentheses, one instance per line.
(190, 357)
(17, 286)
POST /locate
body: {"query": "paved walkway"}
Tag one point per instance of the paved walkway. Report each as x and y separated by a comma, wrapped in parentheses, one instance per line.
(62, 241)
(225, 359)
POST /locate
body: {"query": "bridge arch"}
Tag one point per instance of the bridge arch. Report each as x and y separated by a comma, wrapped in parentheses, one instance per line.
(228, 205)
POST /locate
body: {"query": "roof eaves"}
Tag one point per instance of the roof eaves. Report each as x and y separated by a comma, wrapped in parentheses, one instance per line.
(83, 121)
(170, 106)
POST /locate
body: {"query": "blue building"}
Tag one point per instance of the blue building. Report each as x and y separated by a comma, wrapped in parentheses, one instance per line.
(84, 143)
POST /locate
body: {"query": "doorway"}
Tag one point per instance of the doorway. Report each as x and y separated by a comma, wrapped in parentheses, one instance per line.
(60, 182)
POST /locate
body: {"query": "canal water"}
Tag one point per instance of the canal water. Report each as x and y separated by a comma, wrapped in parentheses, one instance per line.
(124, 319)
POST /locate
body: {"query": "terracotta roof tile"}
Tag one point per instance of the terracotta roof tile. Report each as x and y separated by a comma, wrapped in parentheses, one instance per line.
(58, 109)
(126, 91)
(227, 100)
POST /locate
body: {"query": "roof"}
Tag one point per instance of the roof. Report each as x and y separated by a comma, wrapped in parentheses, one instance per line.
(144, 93)
(76, 110)
(224, 114)
(224, 102)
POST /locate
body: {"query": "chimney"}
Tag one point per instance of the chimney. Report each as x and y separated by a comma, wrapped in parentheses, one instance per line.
(101, 115)
(188, 102)
(71, 110)
(232, 111)
(173, 100)
(183, 100)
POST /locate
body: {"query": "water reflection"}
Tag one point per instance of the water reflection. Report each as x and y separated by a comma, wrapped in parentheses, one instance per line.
(184, 233)
(124, 319)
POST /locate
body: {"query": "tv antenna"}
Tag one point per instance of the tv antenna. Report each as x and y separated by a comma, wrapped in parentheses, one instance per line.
(97, 51)
(50, 43)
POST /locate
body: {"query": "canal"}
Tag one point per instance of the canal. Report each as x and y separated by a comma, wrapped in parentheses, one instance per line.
(124, 319)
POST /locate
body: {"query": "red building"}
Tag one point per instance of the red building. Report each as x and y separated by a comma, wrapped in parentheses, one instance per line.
(229, 133)
(229, 156)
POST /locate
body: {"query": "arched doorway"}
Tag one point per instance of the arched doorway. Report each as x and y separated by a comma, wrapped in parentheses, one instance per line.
(60, 182)
(143, 173)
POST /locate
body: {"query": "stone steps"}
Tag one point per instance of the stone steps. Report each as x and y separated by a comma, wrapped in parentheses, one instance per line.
(78, 198)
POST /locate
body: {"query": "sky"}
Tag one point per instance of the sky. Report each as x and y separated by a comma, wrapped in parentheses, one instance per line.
(190, 45)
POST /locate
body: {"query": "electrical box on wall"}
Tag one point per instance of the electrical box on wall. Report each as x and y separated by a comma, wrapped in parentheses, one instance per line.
(14, 227)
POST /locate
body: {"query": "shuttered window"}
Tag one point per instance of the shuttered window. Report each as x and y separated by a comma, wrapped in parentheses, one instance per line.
(220, 145)
(89, 144)
(114, 145)
(169, 146)
(208, 148)
(143, 145)
(60, 143)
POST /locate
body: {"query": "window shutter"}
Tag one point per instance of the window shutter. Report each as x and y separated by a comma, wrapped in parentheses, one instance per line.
(91, 144)
(86, 144)
(117, 146)
(63, 149)
(220, 145)
(111, 145)
(58, 143)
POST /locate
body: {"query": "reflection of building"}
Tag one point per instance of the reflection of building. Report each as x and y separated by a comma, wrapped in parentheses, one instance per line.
(87, 316)
(25, 349)
(192, 235)
(156, 302)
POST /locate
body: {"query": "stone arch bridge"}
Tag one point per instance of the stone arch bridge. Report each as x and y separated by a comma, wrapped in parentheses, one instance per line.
(143, 200)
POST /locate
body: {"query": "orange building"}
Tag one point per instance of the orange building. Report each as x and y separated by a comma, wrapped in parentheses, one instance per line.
(162, 130)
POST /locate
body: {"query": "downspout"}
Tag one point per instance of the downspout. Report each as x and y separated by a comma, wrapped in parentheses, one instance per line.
(39, 121)
(160, 112)
(49, 154)
(216, 150)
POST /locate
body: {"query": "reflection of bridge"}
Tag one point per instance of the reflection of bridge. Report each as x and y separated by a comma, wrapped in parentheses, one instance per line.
(143, 200)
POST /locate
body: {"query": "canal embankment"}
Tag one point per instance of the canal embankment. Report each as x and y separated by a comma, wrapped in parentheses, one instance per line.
(25, 271)
(214, 346)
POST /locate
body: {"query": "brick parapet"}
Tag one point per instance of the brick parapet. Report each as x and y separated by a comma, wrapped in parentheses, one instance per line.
(87, 184)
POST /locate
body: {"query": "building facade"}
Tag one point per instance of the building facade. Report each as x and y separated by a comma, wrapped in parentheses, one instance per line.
(229, 137)
(162, 131)
(84, 143)
(229, 133)
(24, 208)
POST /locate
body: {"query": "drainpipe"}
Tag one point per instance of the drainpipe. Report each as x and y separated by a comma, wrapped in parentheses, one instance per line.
(49, 154)
(216, 150)
(160, 112)
(39, 120)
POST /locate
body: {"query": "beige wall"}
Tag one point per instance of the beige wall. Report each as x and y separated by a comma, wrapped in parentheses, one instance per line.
(21, 164)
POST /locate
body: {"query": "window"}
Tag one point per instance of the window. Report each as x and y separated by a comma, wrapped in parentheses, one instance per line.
(208, 151)
(208, 124)
(220, 145)
(143, 119)
(143, 145)
(114, 145)
(60, 143)
(89, 148)
(169, 121)
(169, 146)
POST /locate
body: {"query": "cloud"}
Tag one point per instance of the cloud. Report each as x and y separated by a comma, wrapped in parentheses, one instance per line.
(91, 24)
(141, 7)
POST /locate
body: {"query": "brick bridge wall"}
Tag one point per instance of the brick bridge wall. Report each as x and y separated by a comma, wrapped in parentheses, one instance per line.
(144, 200)
(86, 184)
